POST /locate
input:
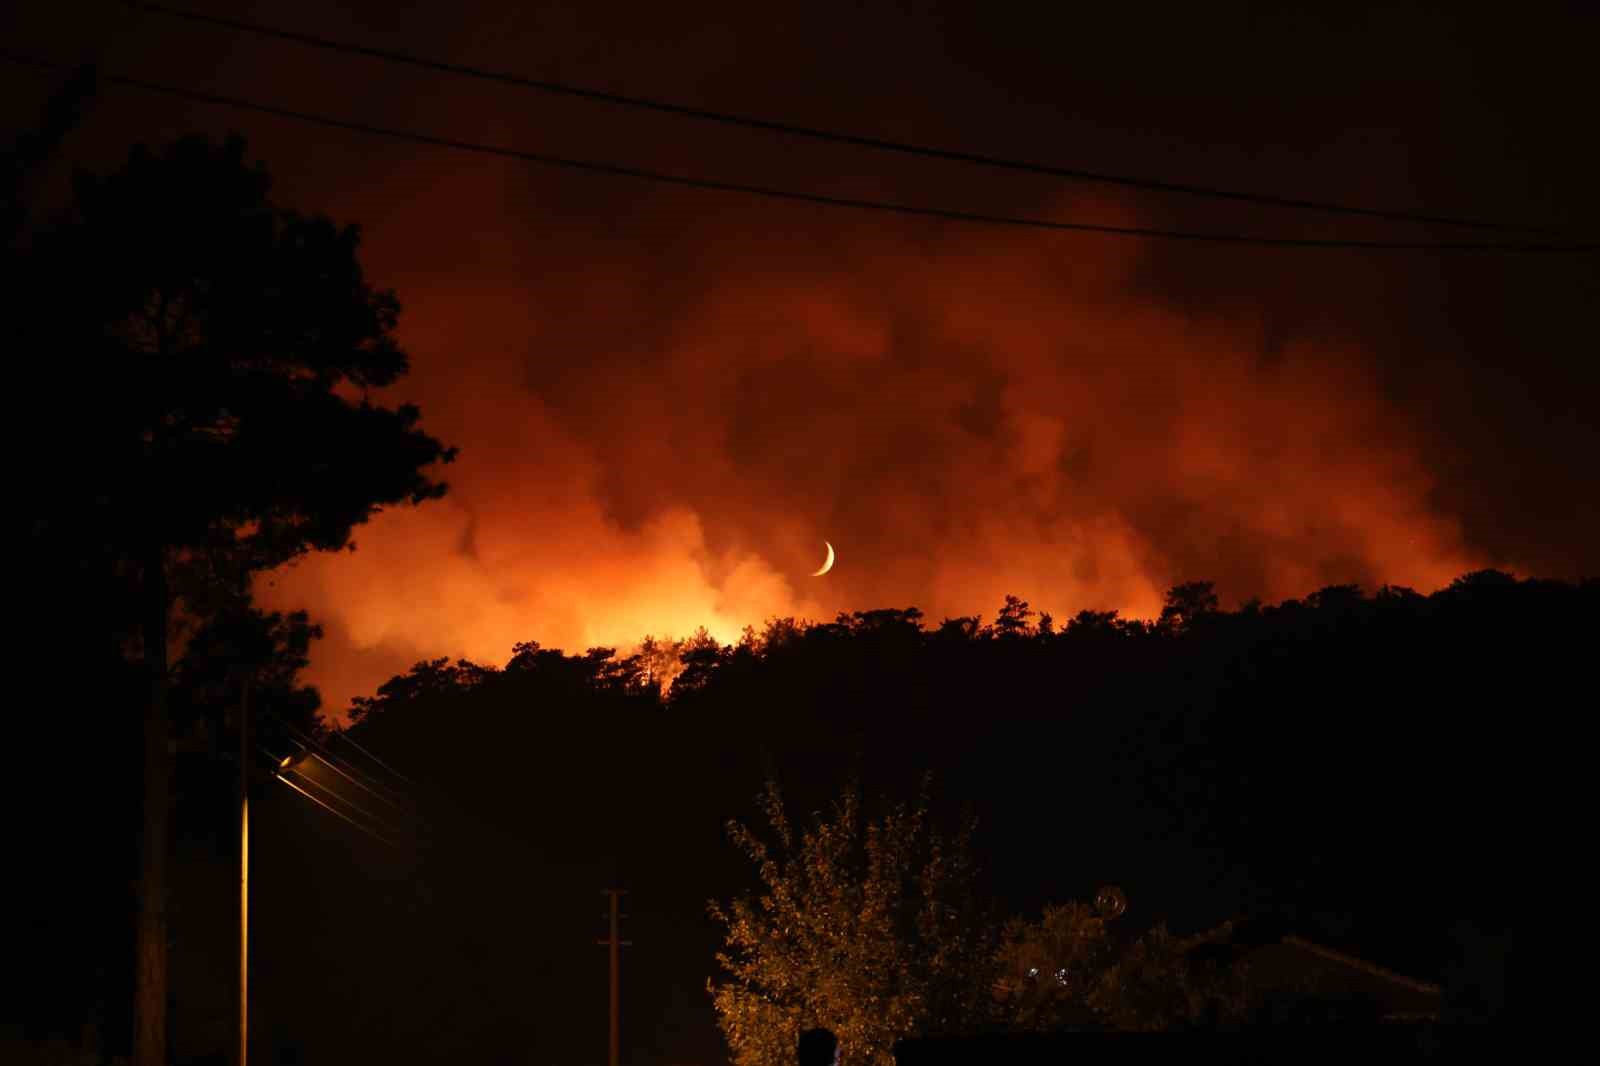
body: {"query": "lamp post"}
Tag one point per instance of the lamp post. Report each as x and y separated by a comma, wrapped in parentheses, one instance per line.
(242, 990)
(241, 1000)
(281, 768)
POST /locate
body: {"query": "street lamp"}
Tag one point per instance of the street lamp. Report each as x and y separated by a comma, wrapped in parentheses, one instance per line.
(281, 767)
(288, 765)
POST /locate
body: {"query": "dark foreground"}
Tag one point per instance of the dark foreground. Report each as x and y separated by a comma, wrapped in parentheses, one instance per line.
(1311, 1044)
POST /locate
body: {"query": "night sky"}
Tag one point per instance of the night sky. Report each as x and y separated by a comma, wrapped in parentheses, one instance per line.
(666, 398)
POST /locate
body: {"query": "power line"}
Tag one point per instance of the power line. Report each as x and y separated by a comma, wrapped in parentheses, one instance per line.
(308, 742)
(359, 784)
(336, 812)
(344, 734)
(283, 770)
(833, 136)
(768, 192)
(372, 817)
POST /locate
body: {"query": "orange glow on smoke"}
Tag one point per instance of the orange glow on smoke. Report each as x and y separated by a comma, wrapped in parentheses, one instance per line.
(982, 415)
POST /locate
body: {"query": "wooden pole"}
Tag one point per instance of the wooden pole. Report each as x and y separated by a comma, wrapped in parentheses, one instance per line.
(615, 943)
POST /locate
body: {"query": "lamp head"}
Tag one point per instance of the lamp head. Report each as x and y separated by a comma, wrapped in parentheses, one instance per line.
(289, 762)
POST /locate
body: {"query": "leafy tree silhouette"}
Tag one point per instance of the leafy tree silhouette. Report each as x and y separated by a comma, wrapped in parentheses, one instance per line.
(701, 657)
(868, 926)
(1088, 623)
(223, 355)
(959, 629)
(1186, 604)
(1070, 969)
(1012, 621)
(268, 647)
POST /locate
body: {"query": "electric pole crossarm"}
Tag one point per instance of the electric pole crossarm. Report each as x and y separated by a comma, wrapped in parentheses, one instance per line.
(615, 943)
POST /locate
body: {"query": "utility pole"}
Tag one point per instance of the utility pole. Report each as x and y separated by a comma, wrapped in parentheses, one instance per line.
(615, 943)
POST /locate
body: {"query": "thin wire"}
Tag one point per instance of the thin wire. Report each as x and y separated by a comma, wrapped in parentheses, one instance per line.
(370, 785)
(359, 784)
(336, 813)
(418, 819)
(317, 751)
(323, 755)
(345, 736)
(386, 826)
(816, 198)
(280, 769)
(833, 136)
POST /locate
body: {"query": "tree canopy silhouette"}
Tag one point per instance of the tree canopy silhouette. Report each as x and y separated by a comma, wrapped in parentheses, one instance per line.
(232, 346)
(1332, 765)
(217, 355)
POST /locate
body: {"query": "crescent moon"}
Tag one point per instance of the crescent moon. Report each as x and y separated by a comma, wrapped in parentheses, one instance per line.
(826, 566)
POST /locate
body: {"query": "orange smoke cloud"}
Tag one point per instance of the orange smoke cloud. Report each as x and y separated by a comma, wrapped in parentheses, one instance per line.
(982, 415)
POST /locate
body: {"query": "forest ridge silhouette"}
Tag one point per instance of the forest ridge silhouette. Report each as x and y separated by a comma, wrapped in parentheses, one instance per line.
(1295, 745)
(1332, 766)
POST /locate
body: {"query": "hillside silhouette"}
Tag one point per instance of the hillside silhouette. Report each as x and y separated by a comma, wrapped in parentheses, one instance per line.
(1336, 766)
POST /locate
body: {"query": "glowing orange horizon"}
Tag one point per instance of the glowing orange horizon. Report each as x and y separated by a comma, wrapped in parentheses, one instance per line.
(980, 419)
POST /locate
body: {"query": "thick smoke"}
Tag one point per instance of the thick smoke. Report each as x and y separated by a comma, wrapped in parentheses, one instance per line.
(666, 399)
(963, 415)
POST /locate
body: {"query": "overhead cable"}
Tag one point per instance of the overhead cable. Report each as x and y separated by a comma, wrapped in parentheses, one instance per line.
(833, 136)
(768, 192)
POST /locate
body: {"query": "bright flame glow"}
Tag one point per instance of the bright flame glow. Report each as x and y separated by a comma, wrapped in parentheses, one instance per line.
(986, 417)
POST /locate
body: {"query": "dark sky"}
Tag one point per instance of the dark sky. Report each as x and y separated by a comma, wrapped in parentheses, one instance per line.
(666, 399)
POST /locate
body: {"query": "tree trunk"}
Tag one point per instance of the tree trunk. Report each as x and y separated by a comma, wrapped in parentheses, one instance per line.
(150, 978)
